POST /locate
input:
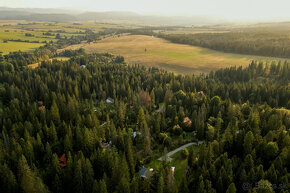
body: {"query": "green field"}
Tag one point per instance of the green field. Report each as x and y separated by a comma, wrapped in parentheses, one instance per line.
(178, 162)
(173, 57)
(5, 48)
(137, 49)
(56, 58)
(12, 30)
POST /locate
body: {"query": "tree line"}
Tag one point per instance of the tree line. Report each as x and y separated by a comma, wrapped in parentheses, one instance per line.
(271, 43)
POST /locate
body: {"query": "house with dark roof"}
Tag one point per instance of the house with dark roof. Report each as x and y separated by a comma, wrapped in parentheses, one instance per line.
(145, 172)
(106, 145)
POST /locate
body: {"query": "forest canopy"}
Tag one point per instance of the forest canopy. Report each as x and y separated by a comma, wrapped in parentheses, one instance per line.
(67, 126)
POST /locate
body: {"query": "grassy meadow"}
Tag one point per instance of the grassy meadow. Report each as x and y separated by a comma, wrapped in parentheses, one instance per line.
(178, 162)
(140, 49)
(173, 57)
(14, 33)
(56, 58)
(5, 48)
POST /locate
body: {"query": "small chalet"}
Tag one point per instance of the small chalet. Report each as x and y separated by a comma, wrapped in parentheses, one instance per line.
(145, 172)
(109, 100)
(129, 103)
(62, 160)
(136, 133)
(106, 145)
(160, 110)
(41, 107)
(83, 66)
(187, 122)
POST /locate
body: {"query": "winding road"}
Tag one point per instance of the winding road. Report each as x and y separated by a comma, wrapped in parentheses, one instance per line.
(169, 154)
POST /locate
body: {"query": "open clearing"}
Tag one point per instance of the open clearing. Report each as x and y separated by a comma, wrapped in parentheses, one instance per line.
(173, 57)
(26, 36)
(178, 162)
(56, 58)
(5, 48)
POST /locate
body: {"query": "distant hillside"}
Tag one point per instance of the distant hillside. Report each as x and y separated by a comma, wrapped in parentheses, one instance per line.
(146, 19)
(59, 15)
(39, 10)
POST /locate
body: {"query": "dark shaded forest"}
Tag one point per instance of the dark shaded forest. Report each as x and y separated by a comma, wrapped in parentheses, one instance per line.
(87, 109)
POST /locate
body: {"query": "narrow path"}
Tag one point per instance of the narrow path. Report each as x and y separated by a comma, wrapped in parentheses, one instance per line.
(169, 154)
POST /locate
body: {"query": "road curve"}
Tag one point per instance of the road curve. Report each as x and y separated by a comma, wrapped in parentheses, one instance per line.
(169, 154)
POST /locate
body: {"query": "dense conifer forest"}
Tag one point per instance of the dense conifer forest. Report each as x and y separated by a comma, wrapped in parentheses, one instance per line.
(91, 123)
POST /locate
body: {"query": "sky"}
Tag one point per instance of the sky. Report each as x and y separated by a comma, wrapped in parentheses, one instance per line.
(226, 9)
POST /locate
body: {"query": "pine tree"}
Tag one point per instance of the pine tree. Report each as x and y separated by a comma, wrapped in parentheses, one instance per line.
(259, 173)
(88, 175)
(264, 186)
(57, 185)
(248, 142)
(157, 123)
(78, 177)
(54, 113)
(129, 154)
(160, 185)
(141, 117)
(147, 146)
(183, 187)
(123, 186)
(102, 186)
(201, 187)
(7, 180)
(218, 126)
(29, 182)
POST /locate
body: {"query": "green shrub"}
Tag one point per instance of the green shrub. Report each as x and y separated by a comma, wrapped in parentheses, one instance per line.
(184, 153)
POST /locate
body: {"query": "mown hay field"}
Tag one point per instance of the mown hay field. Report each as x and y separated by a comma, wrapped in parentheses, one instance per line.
(178, 58)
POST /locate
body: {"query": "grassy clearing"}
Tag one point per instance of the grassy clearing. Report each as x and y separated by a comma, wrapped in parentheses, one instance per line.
(12, 30)
(178, 162)
(56, 58)
(5, 48)
(176, 58)
(9, 22)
